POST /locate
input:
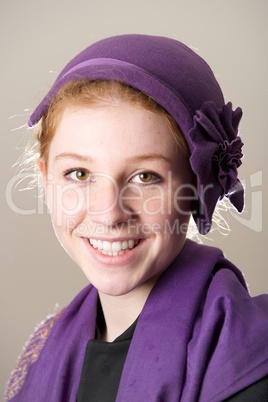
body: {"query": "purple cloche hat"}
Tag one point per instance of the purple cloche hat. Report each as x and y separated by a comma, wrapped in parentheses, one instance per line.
(185, 86)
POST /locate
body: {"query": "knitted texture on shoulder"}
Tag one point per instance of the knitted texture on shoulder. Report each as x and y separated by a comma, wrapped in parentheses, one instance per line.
(29, 355)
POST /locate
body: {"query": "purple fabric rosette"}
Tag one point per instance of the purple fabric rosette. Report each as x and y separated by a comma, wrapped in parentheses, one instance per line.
(216, 152)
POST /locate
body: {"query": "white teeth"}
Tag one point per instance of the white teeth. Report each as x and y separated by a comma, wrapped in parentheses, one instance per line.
(94, 242)
(113, 248)
(107, 246)
(131, 243)
(116, 246)
(124, 245)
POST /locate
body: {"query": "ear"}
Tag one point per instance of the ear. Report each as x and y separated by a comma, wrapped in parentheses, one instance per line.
(42, 170)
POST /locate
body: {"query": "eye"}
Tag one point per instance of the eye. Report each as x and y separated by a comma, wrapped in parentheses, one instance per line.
(78, 175)
(145, 178)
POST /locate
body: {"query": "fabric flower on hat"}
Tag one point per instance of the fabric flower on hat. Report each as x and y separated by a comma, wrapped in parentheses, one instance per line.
(216, 152)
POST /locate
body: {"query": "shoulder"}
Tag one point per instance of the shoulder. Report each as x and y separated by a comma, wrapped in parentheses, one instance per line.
(29, 355)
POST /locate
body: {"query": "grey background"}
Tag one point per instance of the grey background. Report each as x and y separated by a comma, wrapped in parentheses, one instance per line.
(39, 37)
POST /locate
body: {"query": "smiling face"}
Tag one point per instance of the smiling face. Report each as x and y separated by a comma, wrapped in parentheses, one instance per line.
(116, 186)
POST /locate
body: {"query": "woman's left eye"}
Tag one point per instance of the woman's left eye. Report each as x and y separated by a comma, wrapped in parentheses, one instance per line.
(145, 178)
(78, 175)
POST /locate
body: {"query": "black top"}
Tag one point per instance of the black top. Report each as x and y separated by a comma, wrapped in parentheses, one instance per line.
(103, 365)
(104, 362)
(257, 392)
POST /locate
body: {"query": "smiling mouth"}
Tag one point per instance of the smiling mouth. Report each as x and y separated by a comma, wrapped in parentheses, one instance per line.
(113, 248)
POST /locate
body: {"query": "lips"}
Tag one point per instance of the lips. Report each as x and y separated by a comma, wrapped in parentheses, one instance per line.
(113, 248)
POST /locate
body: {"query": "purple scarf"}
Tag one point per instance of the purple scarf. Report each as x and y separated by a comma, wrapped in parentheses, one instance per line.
(200, 337)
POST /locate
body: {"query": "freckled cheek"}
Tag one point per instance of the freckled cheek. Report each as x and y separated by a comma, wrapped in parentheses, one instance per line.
(166, 202)
(67, 205)
(144, 201)
(165, 208)
(182, 198)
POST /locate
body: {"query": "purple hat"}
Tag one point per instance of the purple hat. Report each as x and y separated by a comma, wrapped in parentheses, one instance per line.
(185, 86)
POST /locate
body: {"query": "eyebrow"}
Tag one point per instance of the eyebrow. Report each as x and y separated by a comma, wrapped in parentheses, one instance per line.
(137, 158)
(140, 158)
(72, 155)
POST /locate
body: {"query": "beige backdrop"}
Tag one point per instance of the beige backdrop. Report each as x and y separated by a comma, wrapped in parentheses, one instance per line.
(38, 38)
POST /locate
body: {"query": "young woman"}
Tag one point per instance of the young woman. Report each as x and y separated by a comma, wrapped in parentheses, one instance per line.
(133, 138)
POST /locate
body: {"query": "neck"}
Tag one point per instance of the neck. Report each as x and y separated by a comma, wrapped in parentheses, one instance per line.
(121, 311)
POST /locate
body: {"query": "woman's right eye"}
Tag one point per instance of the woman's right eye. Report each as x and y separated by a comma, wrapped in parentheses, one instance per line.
(78, 175)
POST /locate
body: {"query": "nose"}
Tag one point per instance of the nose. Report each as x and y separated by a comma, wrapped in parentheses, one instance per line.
(107, 205)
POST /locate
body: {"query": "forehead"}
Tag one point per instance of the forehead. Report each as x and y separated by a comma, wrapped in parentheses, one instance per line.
(111, 128)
